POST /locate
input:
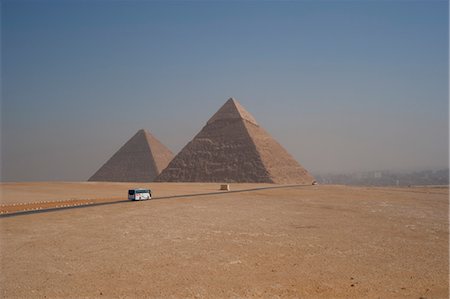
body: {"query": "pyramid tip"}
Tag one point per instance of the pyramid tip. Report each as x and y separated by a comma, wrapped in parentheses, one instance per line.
(232, 109)
(142, 131)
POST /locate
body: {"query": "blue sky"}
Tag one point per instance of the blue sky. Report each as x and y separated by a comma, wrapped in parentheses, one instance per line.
(343, 85)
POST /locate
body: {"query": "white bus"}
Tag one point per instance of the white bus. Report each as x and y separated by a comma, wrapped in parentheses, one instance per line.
(139, 194)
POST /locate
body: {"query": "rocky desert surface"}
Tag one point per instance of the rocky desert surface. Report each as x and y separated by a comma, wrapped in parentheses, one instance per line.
(293, 242)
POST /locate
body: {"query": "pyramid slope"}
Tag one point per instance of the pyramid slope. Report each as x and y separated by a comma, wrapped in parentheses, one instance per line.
(221, 152)
(232, 147)
(140, 159)
(281, 166)
(161, 155)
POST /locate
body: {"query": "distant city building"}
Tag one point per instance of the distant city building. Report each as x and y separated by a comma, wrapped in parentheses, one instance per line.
(386, 178)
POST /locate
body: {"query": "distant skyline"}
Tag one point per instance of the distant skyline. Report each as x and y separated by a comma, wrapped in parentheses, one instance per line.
(344, 86)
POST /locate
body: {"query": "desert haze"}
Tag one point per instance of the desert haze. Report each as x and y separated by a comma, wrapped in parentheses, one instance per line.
(287, 242)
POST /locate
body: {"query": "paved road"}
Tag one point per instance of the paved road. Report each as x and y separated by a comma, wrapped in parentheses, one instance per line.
(52, 206)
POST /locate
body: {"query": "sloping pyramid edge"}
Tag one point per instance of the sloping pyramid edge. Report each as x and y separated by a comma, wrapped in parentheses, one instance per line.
(200, 159)
(140, 159)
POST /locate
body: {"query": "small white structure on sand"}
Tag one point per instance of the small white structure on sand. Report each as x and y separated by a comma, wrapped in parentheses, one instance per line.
(225, 187)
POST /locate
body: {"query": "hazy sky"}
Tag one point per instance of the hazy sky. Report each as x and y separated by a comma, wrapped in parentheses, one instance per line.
(342, 85)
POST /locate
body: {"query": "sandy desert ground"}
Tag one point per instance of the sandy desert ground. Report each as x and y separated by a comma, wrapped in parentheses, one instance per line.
(304, 242)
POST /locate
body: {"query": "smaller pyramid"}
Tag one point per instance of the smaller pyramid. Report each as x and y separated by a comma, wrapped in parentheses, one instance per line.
(140, 159)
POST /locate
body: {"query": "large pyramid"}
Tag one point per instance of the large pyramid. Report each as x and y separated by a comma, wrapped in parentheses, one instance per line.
(232, 147)
(141, 159)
